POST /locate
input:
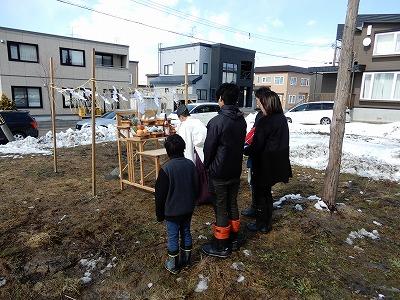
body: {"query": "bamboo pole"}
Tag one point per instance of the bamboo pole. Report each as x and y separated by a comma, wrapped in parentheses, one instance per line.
(53, 114)
(186, 85)
(331, 180)
(93, 122)
(136, 87)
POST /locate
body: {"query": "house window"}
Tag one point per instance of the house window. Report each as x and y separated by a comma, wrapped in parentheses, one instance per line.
(166, 90)
(246, 70)
(168, 69)
(279, 80)
(293, 80)
(268, 79)
(191, 68)
(229, 73)
(387, 43)
(23, 52)
(228, 77)
(229, 67)
(205, 68)
(71, 57)
(384, 86)
(201, 94)
(292, 99)
(27, 97)
(104, 60)
(264, 80)
(300, 98)
(304, 82)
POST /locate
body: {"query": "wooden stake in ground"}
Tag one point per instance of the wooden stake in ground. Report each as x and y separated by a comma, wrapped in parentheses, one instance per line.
(93, 122)
(332, 172)
(186, 85)
(53, 113)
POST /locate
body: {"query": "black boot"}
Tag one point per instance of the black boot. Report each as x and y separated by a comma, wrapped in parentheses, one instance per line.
(261, 223)
(254, 227)
(172, 263)
(249, 212)
(185, 256)
(220, 246)
(234, 241)
(217, 248)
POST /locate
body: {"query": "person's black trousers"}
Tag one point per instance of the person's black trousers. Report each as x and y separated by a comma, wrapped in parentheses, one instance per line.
(225, 204)
(264, 205)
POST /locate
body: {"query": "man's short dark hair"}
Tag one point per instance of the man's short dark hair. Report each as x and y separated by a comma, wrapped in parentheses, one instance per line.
(175, 145)
(229, 93)
(182, 111)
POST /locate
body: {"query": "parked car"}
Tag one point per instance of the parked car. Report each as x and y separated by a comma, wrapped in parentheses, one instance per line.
(109, 118)
(21, 124)
(204, 111)
(313, 113)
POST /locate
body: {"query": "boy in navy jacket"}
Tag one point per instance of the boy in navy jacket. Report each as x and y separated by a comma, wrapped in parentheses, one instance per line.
(176, 191)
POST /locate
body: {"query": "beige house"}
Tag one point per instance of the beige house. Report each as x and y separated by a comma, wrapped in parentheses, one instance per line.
(291, 83)
(24, 71)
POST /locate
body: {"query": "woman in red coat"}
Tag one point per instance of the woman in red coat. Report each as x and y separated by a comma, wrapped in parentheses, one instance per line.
(269, 152)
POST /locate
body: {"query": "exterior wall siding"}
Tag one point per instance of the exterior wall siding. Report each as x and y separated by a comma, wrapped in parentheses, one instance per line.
(227, 54)
(285, 89)
(17, 73)
(178, 57)
(374, 64)
(214, 55)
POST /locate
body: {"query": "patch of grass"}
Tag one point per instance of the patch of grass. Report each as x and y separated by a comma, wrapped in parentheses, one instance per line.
(12, 251)
(395, 263)
(303, 257)
(303, 287)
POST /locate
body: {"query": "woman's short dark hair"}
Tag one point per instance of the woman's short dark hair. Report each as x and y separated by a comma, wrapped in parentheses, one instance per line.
(175, 145)
(269, 100)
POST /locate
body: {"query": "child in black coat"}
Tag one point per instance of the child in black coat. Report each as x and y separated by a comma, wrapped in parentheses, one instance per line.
(176, 191)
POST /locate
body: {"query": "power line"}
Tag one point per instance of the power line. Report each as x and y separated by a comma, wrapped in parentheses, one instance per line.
(206, 22)
(168, 30)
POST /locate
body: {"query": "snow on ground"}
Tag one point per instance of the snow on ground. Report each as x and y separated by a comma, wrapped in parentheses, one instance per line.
(360, 234)
(369, 150)
(68, 138)
(202, 285)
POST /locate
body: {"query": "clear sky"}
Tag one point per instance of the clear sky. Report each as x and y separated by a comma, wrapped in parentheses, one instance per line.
(276, 27)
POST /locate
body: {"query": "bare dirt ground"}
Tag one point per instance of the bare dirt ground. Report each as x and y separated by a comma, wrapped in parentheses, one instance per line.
(49, 222)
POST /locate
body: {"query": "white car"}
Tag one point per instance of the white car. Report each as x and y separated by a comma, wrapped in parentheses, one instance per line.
(204, 111)
(313, 113)
(109, 118)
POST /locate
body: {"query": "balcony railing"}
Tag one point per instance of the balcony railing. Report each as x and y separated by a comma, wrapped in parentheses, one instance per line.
(112, 67)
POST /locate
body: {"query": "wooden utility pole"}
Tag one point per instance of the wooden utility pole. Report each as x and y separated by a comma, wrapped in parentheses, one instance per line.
(186, 85)
(93, 122)
(343, 92)
(53, 113)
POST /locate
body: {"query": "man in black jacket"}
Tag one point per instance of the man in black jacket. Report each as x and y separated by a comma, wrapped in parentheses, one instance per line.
(223, 154)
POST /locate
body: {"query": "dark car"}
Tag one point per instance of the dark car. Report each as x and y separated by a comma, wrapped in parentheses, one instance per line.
(21, 124)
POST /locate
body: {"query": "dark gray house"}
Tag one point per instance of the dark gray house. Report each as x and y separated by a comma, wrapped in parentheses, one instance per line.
(375, 83)
(209, 65)
(233, 64)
